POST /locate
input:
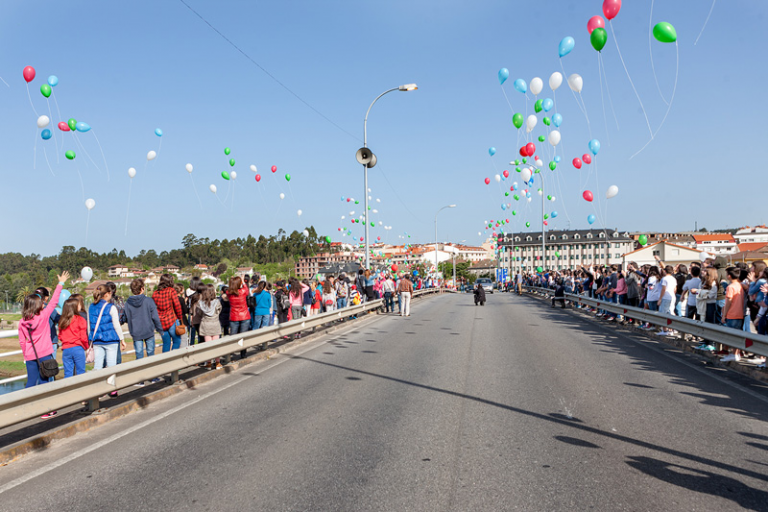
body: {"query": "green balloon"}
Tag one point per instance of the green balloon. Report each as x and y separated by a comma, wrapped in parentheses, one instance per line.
(642, 239)
(287, 177)
(227, 151)
(598, 38)
(357, 202)
(537, 171)
(506, 194)
(546, 121)
(46, 90)
(517, 120)
(225, 175)
(70, 154)
(542, 138)
(664, 32)
(527, 224)
(514, 212)
(553, 165)
(357, 221)
(328, 239)
(517, 169)
(546, 216)
(557, 254)
(373, 224)
(549, 197)
(517, 197)
(539, 269)
(72, 122)
(525, 160)
(537, 106)
(231, 162)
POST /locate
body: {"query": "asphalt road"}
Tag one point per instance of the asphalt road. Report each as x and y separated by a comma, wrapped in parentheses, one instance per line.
(511, 406)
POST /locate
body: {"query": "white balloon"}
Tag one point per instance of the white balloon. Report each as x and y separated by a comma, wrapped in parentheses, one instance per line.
(151, 155)
(497, 178)
(612, 191)
(282, 196)
(305, 233)
(541, 193)
(375, 210)
(536, 86)
(380, 223)
(554, 137)
(253, 168)
(529, 199)
(554, 198)
(43, 121)
(538, 162)
(86, 273)
(351, 213)
(369, 197)
(555, 80)
(526, 174)
(479, 234)
(233, 175)
(189, 168)
(212, 188)
(90, 204)
(575, 82)
(343, 217)
(378, 200)
(131, 173)
(530, 123)
(369, 190)
(299, 213)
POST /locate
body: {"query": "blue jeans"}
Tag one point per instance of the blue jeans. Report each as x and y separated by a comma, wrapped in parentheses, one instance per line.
(665, 306)
(106, 352)
(653, 305)
(171, 336)
(138, 346)
(719, 310)
(389, 303)
(341, 302)
(252, 324)
(734, 323)
(678, 305)
(33, 373)
(237, 327)
(192, 335)
(73, 359)
(260, 321)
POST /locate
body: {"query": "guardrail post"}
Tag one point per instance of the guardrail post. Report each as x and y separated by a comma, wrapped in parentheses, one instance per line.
(92, 405)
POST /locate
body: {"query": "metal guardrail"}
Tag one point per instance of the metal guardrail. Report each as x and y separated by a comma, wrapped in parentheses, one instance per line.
(32, 402)
(733, 338)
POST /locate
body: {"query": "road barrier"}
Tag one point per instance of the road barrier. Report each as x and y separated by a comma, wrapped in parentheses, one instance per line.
(32, 402)
(733, 338)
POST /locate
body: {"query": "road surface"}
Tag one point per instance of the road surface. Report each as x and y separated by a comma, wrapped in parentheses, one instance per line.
(511, 406)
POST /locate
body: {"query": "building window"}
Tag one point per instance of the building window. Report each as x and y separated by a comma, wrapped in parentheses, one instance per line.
(601, 235)
(528, 238)
(589, 235)
(577, 236)
(565, 237)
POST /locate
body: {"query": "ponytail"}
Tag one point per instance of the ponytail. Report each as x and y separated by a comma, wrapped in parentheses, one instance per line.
(99, 292)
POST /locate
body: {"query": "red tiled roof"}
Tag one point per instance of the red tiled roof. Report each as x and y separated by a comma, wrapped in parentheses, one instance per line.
(714, 237)
(751, 246)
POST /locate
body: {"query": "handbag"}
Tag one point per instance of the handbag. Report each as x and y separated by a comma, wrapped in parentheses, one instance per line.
(181, 330)
(90, 355)
(48, 368)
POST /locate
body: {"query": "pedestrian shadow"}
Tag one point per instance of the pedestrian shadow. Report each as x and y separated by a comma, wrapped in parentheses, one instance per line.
(575, 441)
(702, 481)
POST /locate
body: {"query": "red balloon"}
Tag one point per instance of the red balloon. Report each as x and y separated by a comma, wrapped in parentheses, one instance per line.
(577, 162)
(258, 178)
(611, 8)
(487, 181)
(595, 22)
(347, 199)
(378, 238)
(506, 173)
(274, 168)
(507, 221)
(361, 238)
(394, 268)
(512, 188)
(587, 158)
(339, 229)
(530, 148)
(523, 151)
(546, 223)
(352, 221)
(29, 73)
(587, 195)
(63, 126)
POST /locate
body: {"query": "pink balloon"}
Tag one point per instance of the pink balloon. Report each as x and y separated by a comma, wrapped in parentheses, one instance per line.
(587, 195)
(347, 199)
(506, 173)
(361, 238)
(29, 73)
(258, 178)
(274, 168)
(577, 162)
(546, 223)
(611, 8)
(595, 22)
(487, 181)
(587, 158)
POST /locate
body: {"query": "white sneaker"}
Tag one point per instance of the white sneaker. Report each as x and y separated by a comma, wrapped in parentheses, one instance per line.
(728, 358)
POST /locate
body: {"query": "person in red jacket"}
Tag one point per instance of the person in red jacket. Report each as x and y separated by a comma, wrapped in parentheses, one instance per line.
(239, 317)
(73, 336)
(169, 311)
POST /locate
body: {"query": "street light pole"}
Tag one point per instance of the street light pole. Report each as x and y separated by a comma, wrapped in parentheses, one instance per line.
(438, 211)
(404, 88)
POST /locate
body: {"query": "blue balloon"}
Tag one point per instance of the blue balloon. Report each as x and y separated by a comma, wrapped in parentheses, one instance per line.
(557, 120)
(342, 198)
(591, 219)
(566, 45)
(594, 146)
(46, 134)
(503, 206)
(63, 296)
(53, 80)
(82, 127)
(520, 85)
(158, 132)
(491, 151)
(557, 159)
(416, 272)
(547, 104)
(503, 75)
(527, 194)
(553, 214)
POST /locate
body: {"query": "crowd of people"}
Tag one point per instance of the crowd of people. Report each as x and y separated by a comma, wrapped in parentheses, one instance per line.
(711, 291)
(184, 316)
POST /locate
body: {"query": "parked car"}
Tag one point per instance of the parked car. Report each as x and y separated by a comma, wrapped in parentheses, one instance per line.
(486, 283)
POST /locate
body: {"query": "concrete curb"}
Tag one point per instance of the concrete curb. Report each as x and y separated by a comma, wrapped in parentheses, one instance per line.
(105, 415)
(741, 368)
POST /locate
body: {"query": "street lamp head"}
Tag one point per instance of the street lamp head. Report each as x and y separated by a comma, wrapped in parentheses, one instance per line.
(408, 87)
(451, 206)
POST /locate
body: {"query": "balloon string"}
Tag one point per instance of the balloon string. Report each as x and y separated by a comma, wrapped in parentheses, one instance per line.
(589, 125)
(6, 83)
(616, 42)
(195, 189)
(671, 99)
(127, 210)
(55, 124)
(650, 51)
(30, 102)
(49, 164)
(602, 98)
(159, 146)
(705, 22)
(53, 129)
(608, 90)
(102, 153)
(507, 98)
(87, 222)
(82, 187)
(81, 146)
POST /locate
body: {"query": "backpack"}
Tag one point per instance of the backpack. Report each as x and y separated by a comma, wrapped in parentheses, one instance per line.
(356, 300)
(285, 301)
(250, 301)
(341, 290)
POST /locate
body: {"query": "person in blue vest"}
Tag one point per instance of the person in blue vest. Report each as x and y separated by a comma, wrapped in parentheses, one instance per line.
(106, 333)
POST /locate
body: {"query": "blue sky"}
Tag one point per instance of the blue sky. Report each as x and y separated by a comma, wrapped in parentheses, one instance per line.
(128, 68)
